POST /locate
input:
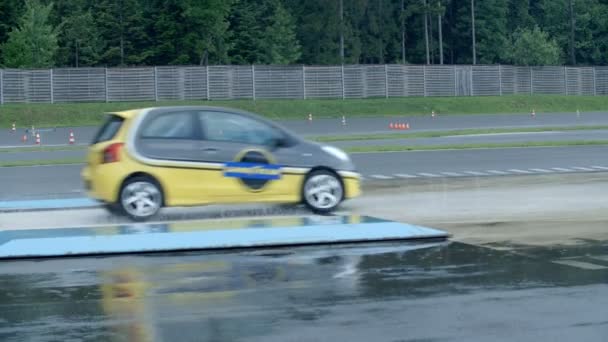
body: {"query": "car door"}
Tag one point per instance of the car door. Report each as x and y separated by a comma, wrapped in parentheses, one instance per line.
(170, 142)
(243, 146)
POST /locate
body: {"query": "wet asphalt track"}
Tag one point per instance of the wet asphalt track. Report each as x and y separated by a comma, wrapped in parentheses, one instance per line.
(63, 181)
(407, 292)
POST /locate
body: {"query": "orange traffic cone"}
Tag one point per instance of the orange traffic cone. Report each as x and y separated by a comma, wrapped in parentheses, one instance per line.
(71, 139)
(38, 139)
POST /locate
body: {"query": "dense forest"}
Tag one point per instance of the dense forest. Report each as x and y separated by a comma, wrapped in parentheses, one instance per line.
(45, 33)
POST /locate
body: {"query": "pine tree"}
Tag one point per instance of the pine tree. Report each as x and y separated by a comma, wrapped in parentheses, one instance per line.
(207, 38)
(33, 44)
(280, 43)
(491, 31)
(122, 27)
(247, 32)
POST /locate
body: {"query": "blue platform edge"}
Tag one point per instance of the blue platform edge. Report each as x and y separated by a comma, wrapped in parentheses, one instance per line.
(171, 237)
(63, 203)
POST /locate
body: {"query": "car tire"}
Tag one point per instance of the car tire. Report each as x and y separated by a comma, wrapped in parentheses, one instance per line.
(140, 198)
(322, 191)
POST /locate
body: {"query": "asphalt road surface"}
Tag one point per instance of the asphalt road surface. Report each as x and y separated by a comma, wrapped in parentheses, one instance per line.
(63, 181)
(585, 135)
(355, 125)
(408, 292)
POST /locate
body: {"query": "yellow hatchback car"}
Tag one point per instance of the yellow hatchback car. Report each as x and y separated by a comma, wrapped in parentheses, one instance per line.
(145, 159)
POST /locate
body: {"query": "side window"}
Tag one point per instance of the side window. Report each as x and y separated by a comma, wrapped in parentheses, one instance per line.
(236, 128)
(178, 125)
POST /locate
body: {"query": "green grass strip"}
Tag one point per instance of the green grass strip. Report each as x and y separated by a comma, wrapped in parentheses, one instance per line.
(84, 114)
(42, 162)
(41, 149)
(399, 148)
(446, 133)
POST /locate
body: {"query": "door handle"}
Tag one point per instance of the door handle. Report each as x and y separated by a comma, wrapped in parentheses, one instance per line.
(209, 150)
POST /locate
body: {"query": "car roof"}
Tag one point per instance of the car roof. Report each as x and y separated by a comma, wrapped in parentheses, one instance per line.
(132, 112)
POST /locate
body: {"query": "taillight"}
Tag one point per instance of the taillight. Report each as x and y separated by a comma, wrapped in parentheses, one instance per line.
(112, 153)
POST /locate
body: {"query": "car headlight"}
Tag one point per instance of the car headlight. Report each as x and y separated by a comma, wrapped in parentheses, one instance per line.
(336, 152)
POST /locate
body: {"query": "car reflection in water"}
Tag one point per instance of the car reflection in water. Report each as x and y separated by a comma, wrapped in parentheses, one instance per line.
(246, 295)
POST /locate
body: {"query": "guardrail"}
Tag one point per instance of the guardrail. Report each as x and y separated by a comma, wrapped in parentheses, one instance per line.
(225, 82)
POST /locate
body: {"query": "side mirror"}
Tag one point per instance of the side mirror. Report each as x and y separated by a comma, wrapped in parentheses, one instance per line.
(277, 143)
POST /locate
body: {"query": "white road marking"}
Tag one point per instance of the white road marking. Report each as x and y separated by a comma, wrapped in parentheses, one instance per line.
(580, 264)
(582, 168)
(405, 175)
(476, 173)
(561, 169)
(599, 257)
(453, 174)
(424, 174)
(519, 171)
(380, 177)
(600, 167)
(497, 172)
(541, 170)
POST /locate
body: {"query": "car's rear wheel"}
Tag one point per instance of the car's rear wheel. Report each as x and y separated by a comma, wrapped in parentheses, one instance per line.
(141, 198)
(323, 191)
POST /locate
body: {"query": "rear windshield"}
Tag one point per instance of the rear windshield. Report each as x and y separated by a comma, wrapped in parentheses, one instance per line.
(109, 129)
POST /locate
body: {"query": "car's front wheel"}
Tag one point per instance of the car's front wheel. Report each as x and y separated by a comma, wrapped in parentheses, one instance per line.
(141, 198)
(323, 191)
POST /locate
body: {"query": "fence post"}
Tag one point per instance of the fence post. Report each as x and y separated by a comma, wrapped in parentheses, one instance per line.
(207, 81)
(500, 79)
(304, 81)
(52, 85)
(531, 81)
(594, 83)
(455, 80)
(343, 94)
(155, 84)
(565, 80)
(106, 82)
(1, 86)
(386, 80)
(471, 80)
(253, 80)
(424, 79)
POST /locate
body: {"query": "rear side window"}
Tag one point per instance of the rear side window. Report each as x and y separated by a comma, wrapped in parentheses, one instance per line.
(109, 129)
(177, 125)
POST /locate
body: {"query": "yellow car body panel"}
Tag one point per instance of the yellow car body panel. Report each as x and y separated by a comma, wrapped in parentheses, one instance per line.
(191, 185)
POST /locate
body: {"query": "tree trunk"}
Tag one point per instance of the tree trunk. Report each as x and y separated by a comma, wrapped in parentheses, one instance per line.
(440, 39)
(426, 34)
(341, 32)
(402, 32)
(77, 48)
(473, 30)
(572, 30)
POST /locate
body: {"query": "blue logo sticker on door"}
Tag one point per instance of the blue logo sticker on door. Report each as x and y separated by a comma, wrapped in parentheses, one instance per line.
(252, 171)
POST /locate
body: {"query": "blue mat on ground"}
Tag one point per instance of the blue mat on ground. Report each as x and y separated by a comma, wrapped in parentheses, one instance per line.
(63, 203)
(206, 235)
